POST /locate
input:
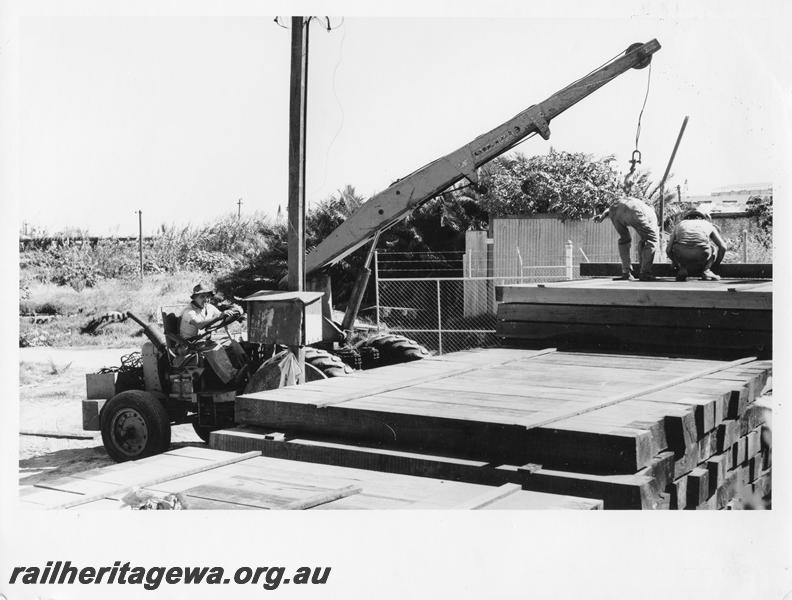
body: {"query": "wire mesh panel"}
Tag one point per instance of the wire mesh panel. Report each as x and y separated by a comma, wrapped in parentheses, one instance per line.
(447, 314)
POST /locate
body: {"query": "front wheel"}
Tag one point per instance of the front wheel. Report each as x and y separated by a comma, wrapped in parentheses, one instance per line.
(134, 425)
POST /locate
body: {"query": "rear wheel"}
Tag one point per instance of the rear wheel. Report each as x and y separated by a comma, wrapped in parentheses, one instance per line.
(319, 364)
(328, 364)
(204, 432)
(134, 425)
(394, 349)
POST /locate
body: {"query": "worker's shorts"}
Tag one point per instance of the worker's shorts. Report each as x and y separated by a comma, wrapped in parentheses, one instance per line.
(639, 216)
(693, 258)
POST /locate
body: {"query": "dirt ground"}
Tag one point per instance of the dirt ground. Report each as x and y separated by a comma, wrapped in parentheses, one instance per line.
(51, 390)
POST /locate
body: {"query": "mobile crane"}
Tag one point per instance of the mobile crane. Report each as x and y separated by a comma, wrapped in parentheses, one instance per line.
(166, 389)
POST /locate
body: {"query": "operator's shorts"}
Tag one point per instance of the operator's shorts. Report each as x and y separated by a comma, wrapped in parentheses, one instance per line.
(693, 258)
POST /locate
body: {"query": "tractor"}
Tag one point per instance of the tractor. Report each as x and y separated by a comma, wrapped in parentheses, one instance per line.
(174, 380)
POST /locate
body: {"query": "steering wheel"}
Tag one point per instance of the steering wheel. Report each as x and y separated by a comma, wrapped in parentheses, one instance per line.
(224, 322)
(193, 343)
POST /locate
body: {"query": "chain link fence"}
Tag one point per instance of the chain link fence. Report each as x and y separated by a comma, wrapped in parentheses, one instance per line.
(448, 313)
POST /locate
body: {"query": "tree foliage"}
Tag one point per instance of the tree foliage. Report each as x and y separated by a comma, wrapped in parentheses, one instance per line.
(761, 209)
(572, 185)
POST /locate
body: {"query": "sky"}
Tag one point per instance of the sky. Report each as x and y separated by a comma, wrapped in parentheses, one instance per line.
(181, 116)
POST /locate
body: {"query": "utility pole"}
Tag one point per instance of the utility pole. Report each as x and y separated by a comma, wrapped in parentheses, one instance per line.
(140, 240)
(297, 120)
(298, 91)
(239, 208)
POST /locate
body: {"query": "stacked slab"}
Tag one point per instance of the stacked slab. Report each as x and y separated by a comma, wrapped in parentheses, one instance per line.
(632, 431)
(699, 318)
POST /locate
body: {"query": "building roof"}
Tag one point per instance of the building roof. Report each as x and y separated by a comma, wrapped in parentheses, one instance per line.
(733, 198)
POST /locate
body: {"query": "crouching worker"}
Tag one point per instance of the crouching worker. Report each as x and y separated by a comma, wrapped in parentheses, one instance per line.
(696, 246)
(631, 212)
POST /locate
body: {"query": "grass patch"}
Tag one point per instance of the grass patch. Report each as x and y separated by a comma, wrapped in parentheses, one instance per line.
(74, 309)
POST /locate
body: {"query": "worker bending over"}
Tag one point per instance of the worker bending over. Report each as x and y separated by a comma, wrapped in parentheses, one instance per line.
(696, 246)
(631, 212)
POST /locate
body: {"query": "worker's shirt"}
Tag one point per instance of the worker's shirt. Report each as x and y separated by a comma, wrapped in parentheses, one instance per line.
(692, 233)
(192, 315)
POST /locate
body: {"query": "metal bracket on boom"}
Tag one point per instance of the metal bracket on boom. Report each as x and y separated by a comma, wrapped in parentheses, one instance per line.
(467, 166)
(540, 122)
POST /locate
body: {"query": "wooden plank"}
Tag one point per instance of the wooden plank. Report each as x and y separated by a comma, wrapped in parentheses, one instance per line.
(646, 391)
(697, 487)
(727, 434)
(677, 340)
(716, 466)
(46, 498)
(539, 500)
(726, 270)
(368, 385)
(678, 490)
(120, 491)
(680, 317)
(262, 492)
(617, 491)
(462, 499)
(323, 498)
(494, 432)
(753, 443)
(671, 294)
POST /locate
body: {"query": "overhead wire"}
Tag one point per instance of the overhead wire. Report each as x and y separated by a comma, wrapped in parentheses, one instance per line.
(338, 101)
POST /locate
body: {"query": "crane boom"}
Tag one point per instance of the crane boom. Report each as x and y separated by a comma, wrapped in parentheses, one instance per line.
(392, 204)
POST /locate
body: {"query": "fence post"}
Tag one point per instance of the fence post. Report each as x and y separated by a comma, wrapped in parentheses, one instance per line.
(376, 287)
(439, 321)
(568, 259)
(744, 236)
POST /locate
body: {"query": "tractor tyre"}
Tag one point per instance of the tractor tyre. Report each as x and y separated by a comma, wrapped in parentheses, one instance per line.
(313, 374)
(204, 432)
(323, 361)
(319, 364)
(134, 425)
(394, 349)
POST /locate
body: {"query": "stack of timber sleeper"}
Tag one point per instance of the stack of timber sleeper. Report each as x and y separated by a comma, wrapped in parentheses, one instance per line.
(698, 318)
(589, 425)
(211, 479)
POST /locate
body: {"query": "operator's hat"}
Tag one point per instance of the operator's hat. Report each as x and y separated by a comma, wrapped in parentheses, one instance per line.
(201, 288)
(700, 212)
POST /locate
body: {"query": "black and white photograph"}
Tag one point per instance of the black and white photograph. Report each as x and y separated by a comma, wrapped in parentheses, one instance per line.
(446, 276)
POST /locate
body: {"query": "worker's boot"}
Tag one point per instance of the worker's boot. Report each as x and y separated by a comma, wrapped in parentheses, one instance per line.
(628, 276)
(682, 274)
(708, 275)
(626, 264)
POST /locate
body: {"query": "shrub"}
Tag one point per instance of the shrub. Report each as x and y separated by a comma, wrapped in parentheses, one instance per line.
(34, 337)
(211, 262)
(76, 268)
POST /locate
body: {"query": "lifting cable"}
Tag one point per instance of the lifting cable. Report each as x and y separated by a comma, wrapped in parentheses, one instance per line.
(636, 154)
